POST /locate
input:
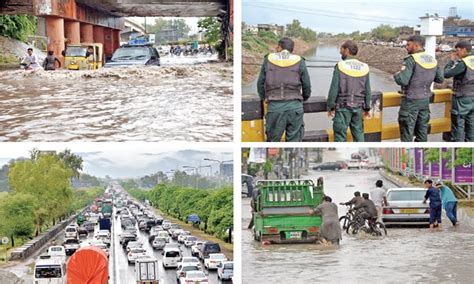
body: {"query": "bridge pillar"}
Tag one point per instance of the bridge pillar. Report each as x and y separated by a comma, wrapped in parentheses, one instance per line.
(109, 43)
(116, 39)
(72, 31)
(87, 33)
(55, 34)
(99, 36)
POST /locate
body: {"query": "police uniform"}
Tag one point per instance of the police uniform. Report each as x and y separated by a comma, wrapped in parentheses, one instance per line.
(284, 83)
(462, 110)
(419, 71)
(349, 95)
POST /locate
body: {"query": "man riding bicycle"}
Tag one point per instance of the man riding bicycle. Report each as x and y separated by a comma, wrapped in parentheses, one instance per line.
(367, 211)
(356, 200)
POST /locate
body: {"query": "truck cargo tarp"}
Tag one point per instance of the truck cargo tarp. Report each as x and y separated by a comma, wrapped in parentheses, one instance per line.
(88, 265)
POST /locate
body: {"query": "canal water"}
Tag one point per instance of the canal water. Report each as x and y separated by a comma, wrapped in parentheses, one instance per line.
(321, 62)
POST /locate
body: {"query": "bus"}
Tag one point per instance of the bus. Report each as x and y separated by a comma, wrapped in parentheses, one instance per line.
(281, 210)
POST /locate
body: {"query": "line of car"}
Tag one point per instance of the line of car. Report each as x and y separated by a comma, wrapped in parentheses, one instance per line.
(206, 255)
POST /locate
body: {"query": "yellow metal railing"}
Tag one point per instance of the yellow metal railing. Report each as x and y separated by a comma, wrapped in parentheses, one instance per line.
(253, 110)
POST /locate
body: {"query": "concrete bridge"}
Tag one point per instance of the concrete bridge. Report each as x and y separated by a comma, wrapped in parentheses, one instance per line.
(75, 21)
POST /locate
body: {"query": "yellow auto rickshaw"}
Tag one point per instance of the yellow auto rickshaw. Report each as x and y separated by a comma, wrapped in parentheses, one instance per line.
(83, 56)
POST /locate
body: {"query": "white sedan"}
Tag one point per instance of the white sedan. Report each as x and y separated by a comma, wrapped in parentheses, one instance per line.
(194, 277)
(214, 260)
(190, 260)
(135, 253)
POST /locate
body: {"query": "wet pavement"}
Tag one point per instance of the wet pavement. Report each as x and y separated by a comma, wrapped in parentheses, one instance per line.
(186, 99)
(327, 56)
(406, 255)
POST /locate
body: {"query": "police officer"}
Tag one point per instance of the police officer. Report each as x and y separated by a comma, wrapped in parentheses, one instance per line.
(418, 73)
(461, 67)
(284, 83)
(349, 95)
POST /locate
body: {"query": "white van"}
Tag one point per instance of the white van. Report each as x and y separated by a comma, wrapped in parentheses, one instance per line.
(71, 232)
(57, 251)
(171, 257)
(49, 270)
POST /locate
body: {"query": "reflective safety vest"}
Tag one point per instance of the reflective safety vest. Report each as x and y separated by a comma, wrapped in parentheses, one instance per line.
(283, 78)
(353, 76)
(423, 75)
(464, 87)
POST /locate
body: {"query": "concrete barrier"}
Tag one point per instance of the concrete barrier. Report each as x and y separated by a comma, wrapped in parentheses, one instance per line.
(28, 249)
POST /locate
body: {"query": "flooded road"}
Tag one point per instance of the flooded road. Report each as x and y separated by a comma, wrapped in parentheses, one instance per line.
(406, 255)
(320, 62)
(184, 100)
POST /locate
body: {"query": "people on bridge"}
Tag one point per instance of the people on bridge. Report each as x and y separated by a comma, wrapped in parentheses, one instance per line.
(433, 194)
(50, 62)
(418, 72)
(349, 95)
(356, 200)
(379, 197)
(460, 67)
(367, 209)
(330, 229)
(30, 60)
(284, 83)
(449, 202)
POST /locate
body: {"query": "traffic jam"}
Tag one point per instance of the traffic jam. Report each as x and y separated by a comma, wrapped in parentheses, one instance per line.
(124, 241)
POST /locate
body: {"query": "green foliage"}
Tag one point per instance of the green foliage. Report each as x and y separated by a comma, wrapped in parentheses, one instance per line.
(179, 25)
(463, 156)
(16, 216)
(85, 197)
(385, 32)
(47, 179)
(295, 30)
(214, 207)
(431, 155)
(17, 26)
(212, 30)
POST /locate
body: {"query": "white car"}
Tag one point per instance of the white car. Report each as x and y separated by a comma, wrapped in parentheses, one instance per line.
(70, 232)
(194, 277)
(406, 207)
(164, 234)
(190, 260)
(57, 251)
(214, 260)
(353, 164)
(171, 257)
(195, 248)
(101, 245)
(189, 241)
(134, 244)
(135, 253)
(104, 236)
(225, 270)
(166, 225)
(182, 236)
(183, 268)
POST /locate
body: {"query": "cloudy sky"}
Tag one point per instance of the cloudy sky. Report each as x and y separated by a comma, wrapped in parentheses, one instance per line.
(347, 16)
(120, 160)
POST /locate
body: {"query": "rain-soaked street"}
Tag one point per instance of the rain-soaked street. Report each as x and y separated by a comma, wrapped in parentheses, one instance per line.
(406, 255)
(186, 99)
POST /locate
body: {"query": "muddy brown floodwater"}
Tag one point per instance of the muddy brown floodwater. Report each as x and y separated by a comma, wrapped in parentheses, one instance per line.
(406, 255)
(181, 102)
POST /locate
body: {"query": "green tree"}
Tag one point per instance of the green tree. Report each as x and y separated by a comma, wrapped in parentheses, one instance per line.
(48, 180)
(385, 32)
(72, 161)
(212, 30)
(17, 26)
(16, 216)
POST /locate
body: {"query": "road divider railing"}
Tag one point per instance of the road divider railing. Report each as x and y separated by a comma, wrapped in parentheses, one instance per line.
(31, 247)
(254, 110)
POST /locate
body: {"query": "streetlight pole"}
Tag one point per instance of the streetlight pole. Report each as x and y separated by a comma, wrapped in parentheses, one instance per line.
(220, 166)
